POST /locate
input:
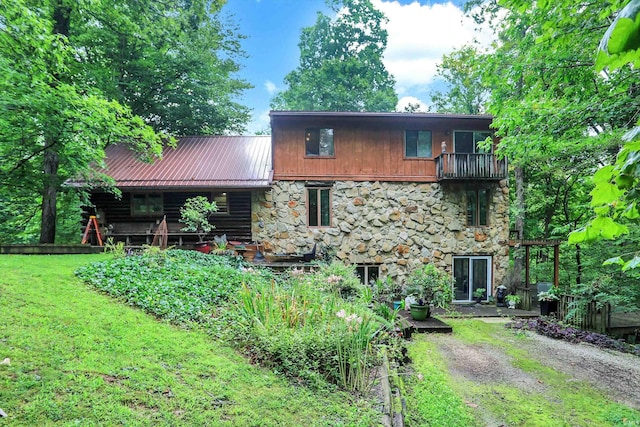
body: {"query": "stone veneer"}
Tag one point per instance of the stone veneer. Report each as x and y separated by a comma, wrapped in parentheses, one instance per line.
(399, 226)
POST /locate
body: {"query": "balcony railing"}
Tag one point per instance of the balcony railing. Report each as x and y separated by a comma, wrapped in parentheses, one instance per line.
(470, 166)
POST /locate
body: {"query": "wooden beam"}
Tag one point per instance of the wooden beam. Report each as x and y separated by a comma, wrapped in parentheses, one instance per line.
(556, 265)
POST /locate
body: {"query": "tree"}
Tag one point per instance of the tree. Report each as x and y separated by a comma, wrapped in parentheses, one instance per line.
(616, 195)
(341, 65)
(461, 70)
(78, 76)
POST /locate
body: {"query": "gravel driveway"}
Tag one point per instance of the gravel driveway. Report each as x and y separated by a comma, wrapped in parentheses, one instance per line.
(616, 374)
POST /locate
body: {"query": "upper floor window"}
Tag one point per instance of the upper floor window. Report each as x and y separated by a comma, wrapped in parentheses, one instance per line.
(417, 143)
(318, 142)
(477, 207)
(146, 204)
(319, 207)
(466, 141)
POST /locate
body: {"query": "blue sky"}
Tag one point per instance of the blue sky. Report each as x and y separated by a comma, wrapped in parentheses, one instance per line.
(420, 32)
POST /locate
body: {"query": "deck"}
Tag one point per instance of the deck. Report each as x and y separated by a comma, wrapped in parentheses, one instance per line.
(438, 323)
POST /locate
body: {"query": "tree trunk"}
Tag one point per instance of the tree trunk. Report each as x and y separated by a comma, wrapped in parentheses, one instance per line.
(520, 215)
(49, 196)
(61, 18)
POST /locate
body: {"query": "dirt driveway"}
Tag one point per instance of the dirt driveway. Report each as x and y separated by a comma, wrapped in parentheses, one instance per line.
(616, 374)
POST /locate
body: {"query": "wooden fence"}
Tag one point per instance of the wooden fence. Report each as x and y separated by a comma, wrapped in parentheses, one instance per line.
(525, 297)
(590, 318)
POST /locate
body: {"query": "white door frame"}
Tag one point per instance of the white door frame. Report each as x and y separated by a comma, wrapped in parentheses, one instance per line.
(470, 274)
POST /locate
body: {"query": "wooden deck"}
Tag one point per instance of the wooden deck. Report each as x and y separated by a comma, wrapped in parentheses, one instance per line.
(438, 323)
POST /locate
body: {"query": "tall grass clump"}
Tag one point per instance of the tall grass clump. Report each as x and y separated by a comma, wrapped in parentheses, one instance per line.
(311, 326)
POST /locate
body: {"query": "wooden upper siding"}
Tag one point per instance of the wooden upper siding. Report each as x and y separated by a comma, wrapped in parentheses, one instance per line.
(367, 146)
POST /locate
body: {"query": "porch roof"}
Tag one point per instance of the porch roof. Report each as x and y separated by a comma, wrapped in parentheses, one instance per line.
(196, 162)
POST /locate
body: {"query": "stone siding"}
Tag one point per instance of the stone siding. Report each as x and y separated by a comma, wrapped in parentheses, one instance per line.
(399, 226)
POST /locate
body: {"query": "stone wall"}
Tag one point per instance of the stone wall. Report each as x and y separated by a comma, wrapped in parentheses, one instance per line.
(397, 225)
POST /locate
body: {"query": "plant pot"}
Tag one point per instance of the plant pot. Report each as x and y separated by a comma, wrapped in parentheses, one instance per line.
(203, 247)
(397, 304)
(548, 307)
(420, 312)
(511, 304)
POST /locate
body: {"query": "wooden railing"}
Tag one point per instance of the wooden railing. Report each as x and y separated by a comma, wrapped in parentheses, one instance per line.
(591, 318)
(525, 297)
(452, 166)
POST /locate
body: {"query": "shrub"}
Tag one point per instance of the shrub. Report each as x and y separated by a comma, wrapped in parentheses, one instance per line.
(430, 286)
(557, 330)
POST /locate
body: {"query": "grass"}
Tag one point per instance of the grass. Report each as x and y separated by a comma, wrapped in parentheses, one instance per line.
(564, 401)
(432, 399)
(80, 358)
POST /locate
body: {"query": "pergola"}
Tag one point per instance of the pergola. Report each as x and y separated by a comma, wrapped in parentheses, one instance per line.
(527, 248)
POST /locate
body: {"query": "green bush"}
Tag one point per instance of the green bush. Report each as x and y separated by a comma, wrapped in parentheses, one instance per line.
(179, 286)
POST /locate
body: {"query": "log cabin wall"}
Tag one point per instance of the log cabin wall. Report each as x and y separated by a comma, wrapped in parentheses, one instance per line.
(365, 148)
(236, 224)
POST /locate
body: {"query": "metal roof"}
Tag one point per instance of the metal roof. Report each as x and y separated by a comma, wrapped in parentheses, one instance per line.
(197, 161)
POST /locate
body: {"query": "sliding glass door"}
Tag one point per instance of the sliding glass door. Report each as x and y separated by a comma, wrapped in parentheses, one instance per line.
(471, 273)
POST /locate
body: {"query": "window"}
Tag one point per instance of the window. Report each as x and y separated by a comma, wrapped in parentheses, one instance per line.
(318, 142)
(319, 207)
(469, 141)
(221, 202)
(368, 274)
(417, 143)
(146, 204)
(477, 207)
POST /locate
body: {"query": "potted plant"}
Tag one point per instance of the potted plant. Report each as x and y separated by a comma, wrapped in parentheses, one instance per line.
(195, 215)
(548, 302)
(429, 287)
(478, 294)
(512, 300)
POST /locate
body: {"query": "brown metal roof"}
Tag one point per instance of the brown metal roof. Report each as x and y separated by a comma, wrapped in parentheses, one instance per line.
(197, 161)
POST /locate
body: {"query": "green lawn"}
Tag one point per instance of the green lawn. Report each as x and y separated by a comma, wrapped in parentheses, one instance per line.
(81, 358)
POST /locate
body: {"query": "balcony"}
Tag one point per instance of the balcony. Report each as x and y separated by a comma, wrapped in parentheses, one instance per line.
(470, 166)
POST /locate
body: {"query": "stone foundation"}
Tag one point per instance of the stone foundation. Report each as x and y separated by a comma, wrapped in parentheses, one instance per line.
(399, 226)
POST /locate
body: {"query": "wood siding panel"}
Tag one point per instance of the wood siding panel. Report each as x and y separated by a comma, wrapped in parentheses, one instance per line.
(364, 149)
(236, 224)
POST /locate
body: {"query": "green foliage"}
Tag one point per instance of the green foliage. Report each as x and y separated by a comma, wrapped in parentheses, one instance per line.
(195, 215)
(603, 290)
(341, 66)
(430, 286)
(339, 279)
(387, 290)
(176, 285)
(299, 329)
(462, 72)
(620, 45)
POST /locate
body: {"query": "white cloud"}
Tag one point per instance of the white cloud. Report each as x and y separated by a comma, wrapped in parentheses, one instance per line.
(270, 87)
(259, 122)
(418, 37)
(406, 100)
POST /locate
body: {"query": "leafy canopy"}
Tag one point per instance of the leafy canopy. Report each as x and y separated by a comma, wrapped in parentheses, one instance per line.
(341, 65)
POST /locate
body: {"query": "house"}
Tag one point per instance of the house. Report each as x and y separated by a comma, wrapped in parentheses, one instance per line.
(385, 191)
(226, 169)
